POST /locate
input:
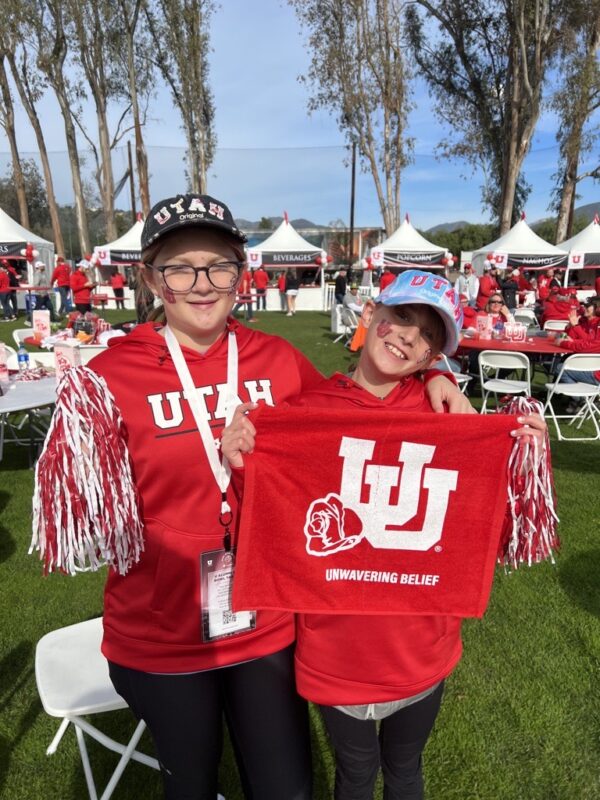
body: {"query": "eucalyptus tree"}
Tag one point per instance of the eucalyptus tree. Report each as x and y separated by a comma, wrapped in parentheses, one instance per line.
(31, 84)
(50, 23)
(486, 65)
(179, 30)
(7, 122)
(575, 101)
(358, 73)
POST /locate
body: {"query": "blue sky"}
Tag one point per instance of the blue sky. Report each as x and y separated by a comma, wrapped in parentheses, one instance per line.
(272, 156)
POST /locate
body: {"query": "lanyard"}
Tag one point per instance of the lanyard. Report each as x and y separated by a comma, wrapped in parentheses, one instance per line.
(220, 467)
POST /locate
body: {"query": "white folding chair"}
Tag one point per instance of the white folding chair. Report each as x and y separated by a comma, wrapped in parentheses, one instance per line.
(73, 682)
(588, 392)
(556, 325)
(20, 334)
(490, 364)
(348, 322)
(336, 318)
(461, 379)
(526, 316)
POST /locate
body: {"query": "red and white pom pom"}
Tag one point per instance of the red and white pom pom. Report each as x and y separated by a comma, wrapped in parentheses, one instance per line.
(85, 505)
(529, 534)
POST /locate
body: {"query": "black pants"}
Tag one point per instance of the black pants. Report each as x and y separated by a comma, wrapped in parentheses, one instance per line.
(267, 721)
(119, 295)
(359, 751)
(83, 308)
(261, 299)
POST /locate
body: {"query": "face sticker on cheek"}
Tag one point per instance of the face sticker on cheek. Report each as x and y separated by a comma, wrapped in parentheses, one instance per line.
(383, 328)
(168, 295)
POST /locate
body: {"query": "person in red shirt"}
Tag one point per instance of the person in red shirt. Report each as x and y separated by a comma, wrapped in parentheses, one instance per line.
(117, 282)
(61, 276)
(281, 289)
(469, 313)
(260, 278)
(558, 306)
(5, 295)
(177, 653)
(81, 286)
(387, 277)
(245, 296)
(487, 284)
(545, 283)
(364, 668)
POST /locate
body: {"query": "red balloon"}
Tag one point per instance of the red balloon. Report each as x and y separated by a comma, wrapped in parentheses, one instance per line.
(329, 259)
(29, 252)
(318, 261)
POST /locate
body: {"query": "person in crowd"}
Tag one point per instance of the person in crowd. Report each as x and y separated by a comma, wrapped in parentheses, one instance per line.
(42, 295)
(177, 653)
(260, 278)
(583, 336)
(467, 283)
(510, 288)
(546, 283)
(14, 278)
(597, 283)
(469, 312)
(341, 286)
(5, 295)
(581, 326)
(292, 287)
(352, 306)
(61, 276)
(117, 282)
(497, 309)
(245, 296)
(81, 287)
(379, 680)
(386, 277)
(487, 285)
(558, 305)
(281, 290)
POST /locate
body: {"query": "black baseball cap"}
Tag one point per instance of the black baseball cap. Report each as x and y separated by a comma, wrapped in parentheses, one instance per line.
(187, 210)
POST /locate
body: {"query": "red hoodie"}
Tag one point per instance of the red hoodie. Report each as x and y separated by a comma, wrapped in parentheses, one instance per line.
(351, 659)
(584, 339)
(152, 615)
(62, 275)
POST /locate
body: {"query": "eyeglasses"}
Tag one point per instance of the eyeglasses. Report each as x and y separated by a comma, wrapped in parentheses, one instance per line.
(495, 302)
(181, 278)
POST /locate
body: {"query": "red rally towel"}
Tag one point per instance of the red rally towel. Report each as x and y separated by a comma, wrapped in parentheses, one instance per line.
(369, 513)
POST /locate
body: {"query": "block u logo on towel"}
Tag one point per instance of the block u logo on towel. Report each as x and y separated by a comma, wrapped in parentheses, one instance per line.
(340, 522)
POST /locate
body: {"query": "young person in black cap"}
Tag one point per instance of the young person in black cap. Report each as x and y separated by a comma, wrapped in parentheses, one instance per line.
(177, 652)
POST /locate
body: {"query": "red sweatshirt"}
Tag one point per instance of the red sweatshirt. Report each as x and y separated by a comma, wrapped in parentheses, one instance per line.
(152, 615)
(351, 659)
(4, 281)
(487, 285)
(261, 278)
(583, 341)
(81, 293)
(62, 275)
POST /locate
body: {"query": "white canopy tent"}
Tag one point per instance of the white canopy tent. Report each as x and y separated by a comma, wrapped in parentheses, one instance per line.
(583, 249)
(284, 248)
(406, 247)
(127, 249)
(14, 238)
(520, 247)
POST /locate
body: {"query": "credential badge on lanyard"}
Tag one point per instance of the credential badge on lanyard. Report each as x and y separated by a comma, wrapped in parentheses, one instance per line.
(216, 567)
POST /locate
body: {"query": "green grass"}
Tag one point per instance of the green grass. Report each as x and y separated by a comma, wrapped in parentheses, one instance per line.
(521, 716)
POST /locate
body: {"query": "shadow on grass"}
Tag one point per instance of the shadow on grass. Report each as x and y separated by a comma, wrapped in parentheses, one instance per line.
(578, 576)
(16, 669)
(7, 543)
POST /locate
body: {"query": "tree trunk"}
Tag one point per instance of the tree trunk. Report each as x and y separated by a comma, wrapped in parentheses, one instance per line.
(8, 124)
(39, 135)
(141, 157)
(70, 135)
(108, 183)
(567, 196)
